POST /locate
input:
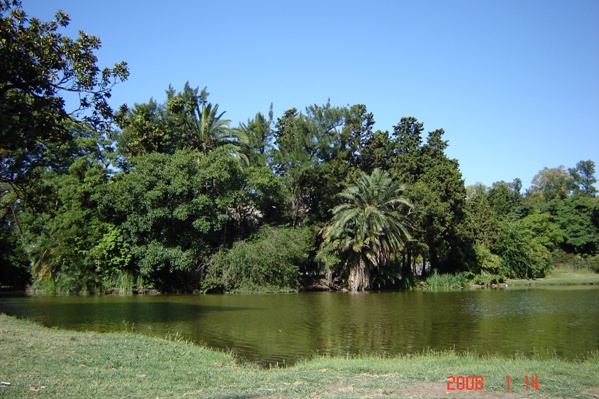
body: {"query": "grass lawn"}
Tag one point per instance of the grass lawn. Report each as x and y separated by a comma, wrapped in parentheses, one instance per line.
(562, 276)
(39, 362)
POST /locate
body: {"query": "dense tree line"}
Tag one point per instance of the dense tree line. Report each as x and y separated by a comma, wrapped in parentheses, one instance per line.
(169, 196)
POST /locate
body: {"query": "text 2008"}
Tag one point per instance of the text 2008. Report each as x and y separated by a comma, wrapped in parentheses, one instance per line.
(465, 383)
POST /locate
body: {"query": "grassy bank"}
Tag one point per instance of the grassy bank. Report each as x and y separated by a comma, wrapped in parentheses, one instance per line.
(562, 276)
(49, 363)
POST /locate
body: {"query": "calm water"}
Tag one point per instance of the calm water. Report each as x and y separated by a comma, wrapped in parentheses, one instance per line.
(285, 328)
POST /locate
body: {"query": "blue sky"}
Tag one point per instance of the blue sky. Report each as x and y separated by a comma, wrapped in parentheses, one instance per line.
(515, 84)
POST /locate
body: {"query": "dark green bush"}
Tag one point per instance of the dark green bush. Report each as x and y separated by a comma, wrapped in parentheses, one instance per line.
(269, 262)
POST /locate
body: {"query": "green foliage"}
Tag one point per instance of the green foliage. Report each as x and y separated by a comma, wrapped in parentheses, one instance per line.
(113, 260)
(269, 261)
(144, 130)
(501, 199)
(13, 260)
(185, 121)
(178, 208)
(447, 281)
(369, 226)
(522, 256)
(482, 221)
(486, 260)
(586, 263)
(486, 278)
(258, 135)
(408, 137)
(379, 151)
(315, 153)
(435, 186)
(38, 65)
(14, 268)
(85, 209)
(544, 229)
(578, 219)
(550, 184)
(50, 161)
(61, 237)
(296, 159)
(583, 176)
(439, 196)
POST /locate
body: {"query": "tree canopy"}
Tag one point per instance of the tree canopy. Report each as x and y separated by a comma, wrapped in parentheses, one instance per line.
(168, 195)
(39, 68)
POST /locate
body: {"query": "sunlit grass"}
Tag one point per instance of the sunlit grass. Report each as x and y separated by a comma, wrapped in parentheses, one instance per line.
(562, 276)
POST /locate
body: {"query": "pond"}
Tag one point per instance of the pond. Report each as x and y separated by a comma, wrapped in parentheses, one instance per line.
(271, 329)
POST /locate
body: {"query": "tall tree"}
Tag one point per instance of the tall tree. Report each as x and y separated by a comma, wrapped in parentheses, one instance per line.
(295, 156)
(38, 68)
(50, 88)
(483, 220)
(408, 134)
(356, 131)
(522, 256)
(61, 232)
(550, 184)
(436, 187)
(198, 122)
(185, 121)
(259, 136)
(502, 199)
(378, 151)
(369, 226)
(578, 218)
(315, 151)
(584, 178)
(144, 130)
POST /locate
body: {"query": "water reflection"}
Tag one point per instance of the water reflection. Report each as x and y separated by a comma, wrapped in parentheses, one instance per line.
(285, 328)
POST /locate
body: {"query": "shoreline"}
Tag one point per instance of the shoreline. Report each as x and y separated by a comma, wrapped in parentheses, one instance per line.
(61, 363)
(557, 277)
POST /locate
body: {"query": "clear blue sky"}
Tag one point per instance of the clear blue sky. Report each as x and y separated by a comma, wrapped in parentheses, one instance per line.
(515, 84)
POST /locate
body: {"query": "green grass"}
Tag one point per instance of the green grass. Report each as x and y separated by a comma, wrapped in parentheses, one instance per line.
(446, 281)
(562, 276)
(49, 363)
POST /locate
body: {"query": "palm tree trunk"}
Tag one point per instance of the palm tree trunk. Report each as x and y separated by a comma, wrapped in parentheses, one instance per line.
(359, 276)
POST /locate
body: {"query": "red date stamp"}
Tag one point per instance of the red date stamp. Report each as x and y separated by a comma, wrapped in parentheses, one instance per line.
(465, 383)
(472, 383)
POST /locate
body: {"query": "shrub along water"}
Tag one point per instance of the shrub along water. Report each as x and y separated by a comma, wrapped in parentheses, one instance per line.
(447, 281)
(268, 262)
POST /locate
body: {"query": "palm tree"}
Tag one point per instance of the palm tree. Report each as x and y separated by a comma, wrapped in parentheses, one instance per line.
(202, 126)
(258, 135)
(369, 226)
(210, 130)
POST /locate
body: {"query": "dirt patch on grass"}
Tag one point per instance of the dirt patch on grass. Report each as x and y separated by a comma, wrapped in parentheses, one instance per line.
(415, 390)
(439, 390)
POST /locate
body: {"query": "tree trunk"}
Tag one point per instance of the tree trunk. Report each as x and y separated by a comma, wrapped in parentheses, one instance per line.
(359, 276)
(329, 278)
(406, 263)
